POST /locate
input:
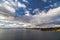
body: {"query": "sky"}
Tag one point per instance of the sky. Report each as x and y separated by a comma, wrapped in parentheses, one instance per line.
(40, 13)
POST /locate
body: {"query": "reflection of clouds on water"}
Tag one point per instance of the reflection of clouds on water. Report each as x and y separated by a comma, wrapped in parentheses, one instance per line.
(13, 34)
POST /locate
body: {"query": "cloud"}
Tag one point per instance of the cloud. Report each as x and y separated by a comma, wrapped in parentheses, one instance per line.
(0, 5)
(27, 13)
(6, 22)
(10, 22)
(2, 17)
(6, 16)
(53, 5)
(21, 5)
(43, 18)
(7, 12)
(25, 1)
(11, 6)
(36, 10)
(11, 9)
(8, 6)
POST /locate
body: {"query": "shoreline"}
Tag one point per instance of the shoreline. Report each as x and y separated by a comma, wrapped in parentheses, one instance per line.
(56, 29)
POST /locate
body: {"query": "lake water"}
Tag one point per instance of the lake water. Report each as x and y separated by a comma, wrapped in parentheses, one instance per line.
(28, 34)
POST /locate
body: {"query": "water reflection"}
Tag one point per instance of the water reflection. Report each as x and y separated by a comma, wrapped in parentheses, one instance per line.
(27, 34)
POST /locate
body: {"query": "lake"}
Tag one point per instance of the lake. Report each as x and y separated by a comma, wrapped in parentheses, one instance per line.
(28, 34)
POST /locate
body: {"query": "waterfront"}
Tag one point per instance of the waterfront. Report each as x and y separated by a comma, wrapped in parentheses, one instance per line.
(28, 34)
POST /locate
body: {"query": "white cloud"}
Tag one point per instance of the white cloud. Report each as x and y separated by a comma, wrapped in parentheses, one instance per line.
(27, 13)
(36, 10)
(11, 9)
(38, 19)
(16, 0)
(2, 17)
(6, 17)
(10, 22)
(21, 5)
(6, 2)
(12, 3)
(8, 6)
(45, 18)
(25, 1)
(0, 5)
(9, 2)
(11, 6)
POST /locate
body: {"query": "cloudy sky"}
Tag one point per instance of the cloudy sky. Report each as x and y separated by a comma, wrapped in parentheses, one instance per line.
(42, 13)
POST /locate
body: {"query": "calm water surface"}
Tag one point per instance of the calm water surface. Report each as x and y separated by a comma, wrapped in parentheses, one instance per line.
(28, 34)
